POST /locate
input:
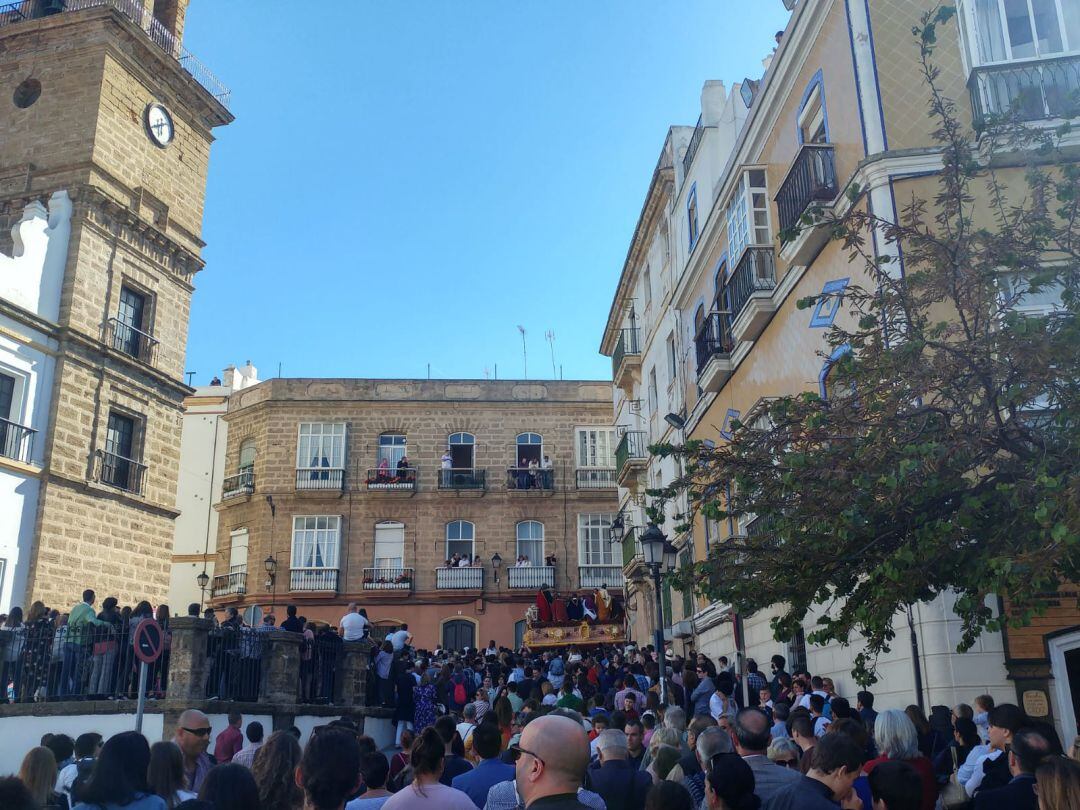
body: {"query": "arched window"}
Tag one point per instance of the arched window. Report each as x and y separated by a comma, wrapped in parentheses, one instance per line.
(530, 541)
(530, 448)
(460, 539)
(462, 451)
(247, 455)
(826, 386)
(392, 449)
(699, 319)
(718, 284)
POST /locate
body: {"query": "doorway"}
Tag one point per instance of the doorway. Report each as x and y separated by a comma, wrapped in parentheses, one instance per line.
(462, 446)
(458, 634)
(1065, 668)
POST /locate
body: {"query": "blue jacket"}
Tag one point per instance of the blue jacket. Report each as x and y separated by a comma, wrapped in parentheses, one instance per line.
(477, 782)
(621, 787)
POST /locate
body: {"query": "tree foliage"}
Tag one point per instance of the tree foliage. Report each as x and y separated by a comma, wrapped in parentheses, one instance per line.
(945, 456)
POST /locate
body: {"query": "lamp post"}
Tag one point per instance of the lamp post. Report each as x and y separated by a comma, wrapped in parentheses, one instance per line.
(659, 556)
(203, 580)
(270, 564)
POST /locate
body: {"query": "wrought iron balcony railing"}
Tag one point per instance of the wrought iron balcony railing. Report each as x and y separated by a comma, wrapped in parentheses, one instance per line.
(122, 473)
(534, 478)
(756, 272)
(691, 150)
(320, 477)
(1032, 91)
(16, 441)
(388, 579)
(596, 478)
(136, 12)
(230, 583)
(599, 576)
(812, 178)
(633, 446)
(131, 341)
(395, 479)
(714, 338)
(530, 577)
(462, 478)
(627, 346)
(313, 579)
(242, 483)
(459, 579)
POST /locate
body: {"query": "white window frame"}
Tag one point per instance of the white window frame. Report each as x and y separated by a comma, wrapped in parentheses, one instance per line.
(239, 541)
(316, 542)
(1025, 307)
(812, 116)
(595, 447)
(672, 359)
(389, 544)
(744, 228)
(594, 548)
(654, 394)
(531, 525)
(969, 29)
(316, 441)
(17, 413)
(471, 539)
(692, 229)
(646, 286)
(393, 452)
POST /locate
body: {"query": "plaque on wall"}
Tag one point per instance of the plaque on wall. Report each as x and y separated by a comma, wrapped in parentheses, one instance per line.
(1036, 703)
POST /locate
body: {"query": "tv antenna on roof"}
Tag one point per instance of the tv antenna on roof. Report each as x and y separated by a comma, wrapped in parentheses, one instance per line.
(549, 335)
(524, 354)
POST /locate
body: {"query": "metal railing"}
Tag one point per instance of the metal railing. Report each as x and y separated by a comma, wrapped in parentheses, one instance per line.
(714, 338)
(320, 477)
(122, 473)
(131, 341)
(234, 663)
(320, 660)
(230, 583)
(16, 441)
(457, 578)
(1032, 91)
(530, 478)
(691, 150)
(155, 30)
(811, 178)
(388, 579)
(599, 576)
(530, 577)
(632, 446)
(627, 345)
(462, 478)
(398, 478)
(313, 579)
(14, 12)
(756, 272)
(43, 662)
(595, 478)
(242, 483)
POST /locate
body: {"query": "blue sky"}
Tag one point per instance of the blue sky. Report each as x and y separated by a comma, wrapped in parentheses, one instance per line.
(407, 182)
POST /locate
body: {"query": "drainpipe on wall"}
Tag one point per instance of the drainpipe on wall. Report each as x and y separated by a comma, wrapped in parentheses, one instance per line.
(916, 662)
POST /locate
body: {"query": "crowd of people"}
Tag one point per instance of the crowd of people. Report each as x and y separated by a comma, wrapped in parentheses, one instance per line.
(499, 729)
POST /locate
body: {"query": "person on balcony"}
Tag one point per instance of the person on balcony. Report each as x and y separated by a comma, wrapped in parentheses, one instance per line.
(447, 464)
(403, 472)
(477, 562)
(535, 476)
(547, 469)
(382, 475)
(524, 479)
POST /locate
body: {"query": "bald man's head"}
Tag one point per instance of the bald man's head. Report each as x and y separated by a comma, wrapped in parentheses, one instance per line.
(193, 733)
(555, 754)
(752, 732)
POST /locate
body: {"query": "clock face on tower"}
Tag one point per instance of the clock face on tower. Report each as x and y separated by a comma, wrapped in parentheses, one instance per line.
(159, 125)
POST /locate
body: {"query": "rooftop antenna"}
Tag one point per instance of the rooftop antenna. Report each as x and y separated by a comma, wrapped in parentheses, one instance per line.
(524, 354)
(190, 375)
(429, 371)
(279, 369)
(549, 335)
(487, 373)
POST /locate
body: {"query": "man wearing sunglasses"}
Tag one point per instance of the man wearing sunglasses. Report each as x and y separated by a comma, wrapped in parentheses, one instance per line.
(550, 763)
(193, 738)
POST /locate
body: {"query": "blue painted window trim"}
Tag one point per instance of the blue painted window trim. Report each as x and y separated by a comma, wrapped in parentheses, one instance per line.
(823, 377)
(729, 417)
(832, 294)
(720, 274)
(691, 216)
(817, 81)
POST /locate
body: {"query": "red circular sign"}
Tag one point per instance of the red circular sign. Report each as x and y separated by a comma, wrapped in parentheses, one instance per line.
(149, 641)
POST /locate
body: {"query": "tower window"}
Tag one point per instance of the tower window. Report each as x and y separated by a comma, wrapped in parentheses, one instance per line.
(28, 91)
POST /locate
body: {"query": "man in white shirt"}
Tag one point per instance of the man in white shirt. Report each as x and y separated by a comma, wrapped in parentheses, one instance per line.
(400, 638)
(468, 722)
(353, 625)
(87, 748)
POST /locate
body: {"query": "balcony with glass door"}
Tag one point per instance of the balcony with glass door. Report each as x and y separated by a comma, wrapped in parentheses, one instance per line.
(389, 578)
(530, 577)
(713, 347)
(595, 478)
(16, 441)
(233, 583)
(631, 455)
(749, 292)
(462, 479)
(313, 579)
(811, 181)
(626, 359)
(600, 576)
(238, 485)
(459, 578)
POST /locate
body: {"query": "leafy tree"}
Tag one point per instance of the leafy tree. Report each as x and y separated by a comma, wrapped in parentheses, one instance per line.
(946, 453)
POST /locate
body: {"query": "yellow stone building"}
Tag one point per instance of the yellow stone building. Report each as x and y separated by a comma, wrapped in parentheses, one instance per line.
(707, 328)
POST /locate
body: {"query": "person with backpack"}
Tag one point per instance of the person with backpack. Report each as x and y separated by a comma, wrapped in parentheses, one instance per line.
(72, 777)
(458, 694)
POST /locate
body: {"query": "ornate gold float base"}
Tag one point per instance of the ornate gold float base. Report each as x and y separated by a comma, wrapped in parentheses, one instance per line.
(581, 634)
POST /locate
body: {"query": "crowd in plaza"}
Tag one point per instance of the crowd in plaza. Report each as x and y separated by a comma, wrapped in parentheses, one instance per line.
(498, 729)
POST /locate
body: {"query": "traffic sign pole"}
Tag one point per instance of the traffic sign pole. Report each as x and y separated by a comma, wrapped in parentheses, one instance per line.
(144, 669)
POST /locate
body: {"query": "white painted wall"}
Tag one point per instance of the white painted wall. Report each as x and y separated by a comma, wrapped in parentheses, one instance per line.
(19, 734)
(34, 274)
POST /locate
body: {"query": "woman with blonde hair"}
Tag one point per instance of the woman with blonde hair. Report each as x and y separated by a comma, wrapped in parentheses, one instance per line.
(661, 736)
(1058, 782)
(38, 773)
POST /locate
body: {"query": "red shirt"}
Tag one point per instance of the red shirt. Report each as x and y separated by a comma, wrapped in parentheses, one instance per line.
(228, 743)
(926, 773)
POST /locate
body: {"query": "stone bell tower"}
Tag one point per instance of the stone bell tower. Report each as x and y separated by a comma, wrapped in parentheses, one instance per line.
(100, 100)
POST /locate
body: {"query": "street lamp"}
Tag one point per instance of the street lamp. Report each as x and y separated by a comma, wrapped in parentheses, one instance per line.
(496, 564)
(270, 564)
(659, 556)
(618, 529)
(203, 580)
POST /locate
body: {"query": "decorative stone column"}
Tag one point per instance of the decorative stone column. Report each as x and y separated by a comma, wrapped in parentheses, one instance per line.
(280, 681)
(351, 685)
(187, 660)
